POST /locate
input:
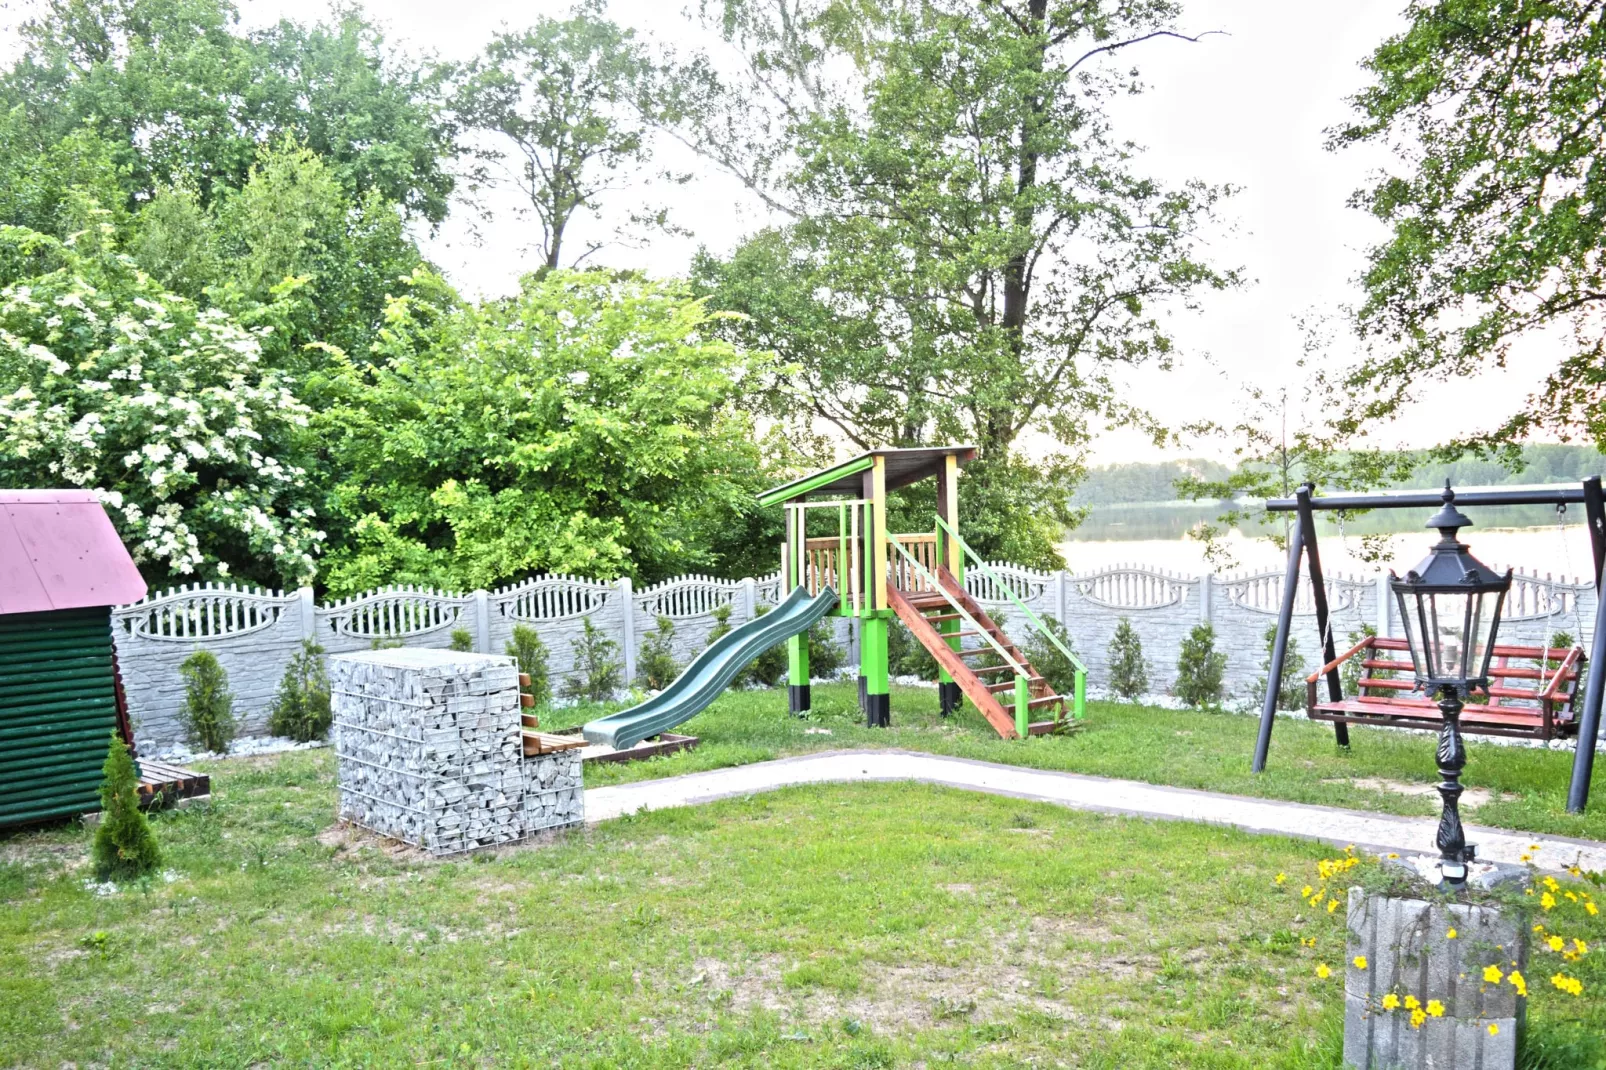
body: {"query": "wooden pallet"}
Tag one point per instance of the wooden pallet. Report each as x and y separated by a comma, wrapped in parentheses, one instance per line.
(651, 747)
(163, 784)
(546, 743)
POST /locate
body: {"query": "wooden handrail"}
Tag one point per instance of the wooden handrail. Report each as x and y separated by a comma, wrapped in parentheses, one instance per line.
(1336, 662)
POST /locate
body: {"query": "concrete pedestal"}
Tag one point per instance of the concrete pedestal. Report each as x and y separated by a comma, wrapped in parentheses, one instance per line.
(1408, 952)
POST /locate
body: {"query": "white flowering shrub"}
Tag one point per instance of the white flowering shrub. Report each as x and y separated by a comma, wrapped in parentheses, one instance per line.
(108, 382)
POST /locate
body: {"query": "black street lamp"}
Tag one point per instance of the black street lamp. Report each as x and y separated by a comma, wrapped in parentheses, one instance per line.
(1450, 604)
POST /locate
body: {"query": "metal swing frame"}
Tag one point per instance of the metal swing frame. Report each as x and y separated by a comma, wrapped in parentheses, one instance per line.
(1302, 545)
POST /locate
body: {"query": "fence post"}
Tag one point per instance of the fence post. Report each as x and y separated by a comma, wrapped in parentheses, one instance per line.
(309, 614)
(1207, 595)
(482, 621)
(627, 600)
(749, 598)
(1383, 617)
(1059, 599)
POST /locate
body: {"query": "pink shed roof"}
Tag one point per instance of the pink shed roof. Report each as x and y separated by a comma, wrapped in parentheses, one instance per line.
(58, 550)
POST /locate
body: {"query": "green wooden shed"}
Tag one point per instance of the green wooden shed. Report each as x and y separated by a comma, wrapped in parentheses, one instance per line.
(62, 570)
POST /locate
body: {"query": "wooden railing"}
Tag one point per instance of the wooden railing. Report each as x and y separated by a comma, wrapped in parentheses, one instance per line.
(923, 548)
(823, 565)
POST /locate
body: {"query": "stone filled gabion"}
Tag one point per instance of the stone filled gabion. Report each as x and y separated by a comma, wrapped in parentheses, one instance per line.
(428, 750)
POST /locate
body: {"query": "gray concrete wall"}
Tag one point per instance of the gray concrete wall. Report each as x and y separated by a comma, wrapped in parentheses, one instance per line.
(254, 633)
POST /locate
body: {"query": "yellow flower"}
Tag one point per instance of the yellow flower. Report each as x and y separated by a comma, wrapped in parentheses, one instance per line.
(1581, 947)
(1392, 854)
(1570, 985)
(1519, 982)
(1435, 1008)
(1322, 971)
(1550, 882)
(1493, 975)
(1360, 962)
(1547, 900)
(1332, 905)
(1281, 877)
(1494, 1030)
(1556, 943)
(1417, 1018)
(1591, 908)
(1450, 935)
(1412, 1003)
(1390, 1001)
(1304, 893)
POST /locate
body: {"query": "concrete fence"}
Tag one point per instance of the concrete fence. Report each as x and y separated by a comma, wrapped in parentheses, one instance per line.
(254, 633)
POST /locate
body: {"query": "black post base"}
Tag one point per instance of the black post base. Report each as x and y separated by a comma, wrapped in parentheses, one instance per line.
(878, 711)
(949, 696)
(797, 698)
(864, 693)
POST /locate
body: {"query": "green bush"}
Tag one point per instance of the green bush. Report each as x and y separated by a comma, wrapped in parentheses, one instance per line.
(208, 711)
(529, 653)
(656, 666)
(722, 625)
(1049, 661)
(769, 667)
(462, 641)
(906, 656)
(598, 669)
(826, 655)
(1129, 673)
(1353, 669)
(125, 847)
(301, 708)
(1200, 668)
(1291, 688)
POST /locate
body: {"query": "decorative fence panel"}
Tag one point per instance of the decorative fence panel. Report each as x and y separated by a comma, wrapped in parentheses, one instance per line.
(254, 633)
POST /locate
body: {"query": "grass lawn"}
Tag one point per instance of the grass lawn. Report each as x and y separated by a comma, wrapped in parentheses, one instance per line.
(1182, 748)
(845, 926)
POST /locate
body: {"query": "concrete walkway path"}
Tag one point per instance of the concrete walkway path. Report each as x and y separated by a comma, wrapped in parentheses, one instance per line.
(1377, 832)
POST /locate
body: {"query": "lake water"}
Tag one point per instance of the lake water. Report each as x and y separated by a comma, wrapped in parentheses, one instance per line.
(1155, 535)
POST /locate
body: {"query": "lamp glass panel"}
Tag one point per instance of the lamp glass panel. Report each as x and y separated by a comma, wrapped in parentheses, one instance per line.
(1413, 633)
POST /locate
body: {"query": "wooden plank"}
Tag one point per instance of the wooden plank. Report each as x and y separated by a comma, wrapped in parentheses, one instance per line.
(652, 747)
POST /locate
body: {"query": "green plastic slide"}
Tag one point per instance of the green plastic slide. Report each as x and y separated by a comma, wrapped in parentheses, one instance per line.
(712, 672)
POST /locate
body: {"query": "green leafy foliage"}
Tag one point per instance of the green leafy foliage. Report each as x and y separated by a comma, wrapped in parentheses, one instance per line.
(530, 654)
(1291, 687)
(906, 656)
(656, 666)
(979, 199)
(587, 425)
(564, 103)
(199, 448)
(301, 708)
(1049, 660)
(125, 847)
(462, 640)
(208, 711)
(1352, 671)
(826, 655)
(1496, 112)
(1129, 672)
(769, 667)
(722, 624)
(1200, 668)
(598, 669)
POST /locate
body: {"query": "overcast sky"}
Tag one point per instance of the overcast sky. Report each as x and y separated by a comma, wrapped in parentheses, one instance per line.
(1247, 107)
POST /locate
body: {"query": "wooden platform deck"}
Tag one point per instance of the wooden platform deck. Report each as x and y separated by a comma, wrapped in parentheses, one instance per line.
(170, 782)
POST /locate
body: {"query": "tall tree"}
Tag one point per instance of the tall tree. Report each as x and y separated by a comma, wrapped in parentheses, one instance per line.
(974, 252)
(182, 95)
(1496, 112)
(563, 103)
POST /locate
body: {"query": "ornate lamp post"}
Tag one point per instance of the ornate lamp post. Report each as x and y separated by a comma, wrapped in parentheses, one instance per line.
(1450, 604)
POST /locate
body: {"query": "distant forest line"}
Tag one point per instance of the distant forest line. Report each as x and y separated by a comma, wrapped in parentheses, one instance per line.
(1151, 482)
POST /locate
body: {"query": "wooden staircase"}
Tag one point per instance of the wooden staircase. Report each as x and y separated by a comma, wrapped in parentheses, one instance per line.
(983, 684)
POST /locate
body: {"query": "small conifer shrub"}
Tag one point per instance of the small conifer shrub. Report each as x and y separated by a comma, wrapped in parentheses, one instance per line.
(722, 625)
(208, 711)
(1201, 668)
(1129, 673)
(826, 655)
(598, 669)
(1051, 662)
(768, 668)
(1291, 688)
(301, 708)
(529, 653)
(125, 846)
(462, 641)
(656, 666)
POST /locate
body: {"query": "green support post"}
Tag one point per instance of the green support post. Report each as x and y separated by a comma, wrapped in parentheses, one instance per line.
(1023, 712)
(873, 669)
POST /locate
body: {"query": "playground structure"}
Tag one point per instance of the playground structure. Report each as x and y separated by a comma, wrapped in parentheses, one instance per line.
(1548, 711)
(866, 572)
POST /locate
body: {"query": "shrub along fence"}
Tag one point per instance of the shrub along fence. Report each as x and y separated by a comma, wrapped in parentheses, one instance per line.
(255, 633)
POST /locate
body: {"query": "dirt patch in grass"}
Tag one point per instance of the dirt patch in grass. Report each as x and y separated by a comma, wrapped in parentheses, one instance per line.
(1472, 797)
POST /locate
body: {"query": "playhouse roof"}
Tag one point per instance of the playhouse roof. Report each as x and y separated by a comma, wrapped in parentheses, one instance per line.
(58, 550)
(904, 467)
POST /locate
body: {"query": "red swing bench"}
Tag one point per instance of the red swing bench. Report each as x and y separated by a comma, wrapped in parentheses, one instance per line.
(1532, 693)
